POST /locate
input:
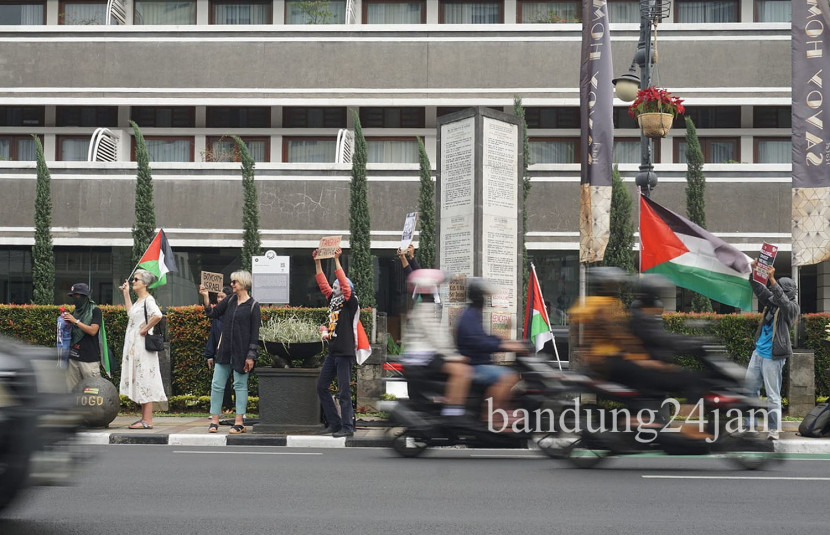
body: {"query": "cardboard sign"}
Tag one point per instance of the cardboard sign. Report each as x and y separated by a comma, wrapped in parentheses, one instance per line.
(213, 281)
(408, 229)
(765, 261)
(328, 246)
(458, 289)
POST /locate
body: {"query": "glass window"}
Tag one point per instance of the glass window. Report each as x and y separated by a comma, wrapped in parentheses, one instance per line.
(715, 150)
(626, 150)
(623, 120)
(308, 150)
(548, 12)
(168, 149)
(466, 12)
(21, 115)
(228, 117)
(95, 116)
(392, 150)
(552, 117)
(82, 12)
(773, 11)
(394, 12)
(165, 12)
(554, 150)
(17, 148)
(233, 12)
(315, 12)
(773, 150)
(304, 117)
(73, 148)
(164, 117)
(624, 11)
(223, 149)
(392, 117)
(706, 11)
(23, 14)
(714, 117)
(772, 117)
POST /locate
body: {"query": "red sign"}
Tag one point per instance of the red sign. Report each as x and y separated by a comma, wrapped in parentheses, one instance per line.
(765, 261)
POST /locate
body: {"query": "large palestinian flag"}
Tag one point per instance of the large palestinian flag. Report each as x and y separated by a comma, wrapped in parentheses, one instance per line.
(159, 259)
(692, 257)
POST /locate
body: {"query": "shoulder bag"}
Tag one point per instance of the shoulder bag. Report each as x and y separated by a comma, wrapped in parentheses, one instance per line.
(152, 342)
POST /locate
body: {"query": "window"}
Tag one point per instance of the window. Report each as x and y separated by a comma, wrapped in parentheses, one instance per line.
(164, 117)
(302, 117)
(332, 12)
(167, 149)
(82, 12)
(715, 117)
(466, 12)
(626, 150)
(247, 12)
(773, 11)
(554, 150)
(23, 13)
(773, 150)
(547, 12)
(706, 11)
(624, 11)
(394, 12)
(223, 149)
(18, 148)
(715, 149)
(21, 115)
(623, 120)
(772, 117)
(446, 110)
(73, 148)
(94, 116)
(392, 150)
(552, 117)
(227, 117)
(392, 117)
(165, 12)
(308, 149)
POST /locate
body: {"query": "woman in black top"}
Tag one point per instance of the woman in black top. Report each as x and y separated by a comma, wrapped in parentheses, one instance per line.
(237, 349)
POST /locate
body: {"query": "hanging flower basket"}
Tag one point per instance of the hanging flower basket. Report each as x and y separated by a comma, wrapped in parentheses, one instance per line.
(655, 125)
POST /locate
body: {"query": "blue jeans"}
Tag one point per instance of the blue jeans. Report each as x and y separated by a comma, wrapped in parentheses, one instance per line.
(340, 367)
(767, 372)
(221, 372)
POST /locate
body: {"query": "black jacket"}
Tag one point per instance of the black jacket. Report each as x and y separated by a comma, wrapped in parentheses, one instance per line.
(240, 331)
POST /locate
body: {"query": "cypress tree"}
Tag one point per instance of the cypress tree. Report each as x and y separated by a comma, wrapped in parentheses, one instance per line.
(695, 201)
(144, 228)
(426, 210)
(618, 252)
(43, 259)
(251, 241)
(361, 269)
(519, 111)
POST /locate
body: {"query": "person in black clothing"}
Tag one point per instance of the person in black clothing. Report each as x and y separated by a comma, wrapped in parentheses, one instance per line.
(408, 261)
(213, 343)
(84, 353)
(237, 348)
(343, 311)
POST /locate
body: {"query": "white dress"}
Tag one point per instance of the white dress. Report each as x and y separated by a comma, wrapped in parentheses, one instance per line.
(140, 373)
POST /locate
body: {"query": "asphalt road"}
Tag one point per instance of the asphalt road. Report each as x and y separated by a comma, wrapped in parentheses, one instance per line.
(252, 490)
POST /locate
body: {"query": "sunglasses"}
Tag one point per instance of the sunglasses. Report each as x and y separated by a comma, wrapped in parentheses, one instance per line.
(234, 281)
(136, 279)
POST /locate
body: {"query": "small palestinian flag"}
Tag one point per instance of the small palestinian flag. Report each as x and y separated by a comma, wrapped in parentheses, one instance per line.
(692, 257)
(159, 259)
(537, 323)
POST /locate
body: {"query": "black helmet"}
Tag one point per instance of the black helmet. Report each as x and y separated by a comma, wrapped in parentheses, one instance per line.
(606, 280)
(649, 289)
(477, 290)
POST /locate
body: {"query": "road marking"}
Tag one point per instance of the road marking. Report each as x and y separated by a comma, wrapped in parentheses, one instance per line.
(250, 452)
(483, 456)
(765, 478)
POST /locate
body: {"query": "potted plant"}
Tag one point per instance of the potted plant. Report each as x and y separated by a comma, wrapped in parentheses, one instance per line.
(290, 339)
(655, 110)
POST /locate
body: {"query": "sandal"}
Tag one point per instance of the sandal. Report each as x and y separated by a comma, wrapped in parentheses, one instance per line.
(237, 429)
(213, 428)
(141, 424)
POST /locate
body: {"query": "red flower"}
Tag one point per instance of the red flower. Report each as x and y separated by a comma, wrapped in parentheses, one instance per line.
(656, 100)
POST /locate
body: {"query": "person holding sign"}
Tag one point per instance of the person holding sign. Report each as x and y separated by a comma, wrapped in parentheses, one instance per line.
(407, 258)
(343, 311)
(213, 343)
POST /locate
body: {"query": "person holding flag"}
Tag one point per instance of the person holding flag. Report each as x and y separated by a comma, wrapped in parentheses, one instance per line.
(84, 352)
(158, 260)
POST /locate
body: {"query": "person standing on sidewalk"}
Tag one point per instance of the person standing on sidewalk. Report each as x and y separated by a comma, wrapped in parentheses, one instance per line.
(84, 353)
(772, 342)
(343, 310)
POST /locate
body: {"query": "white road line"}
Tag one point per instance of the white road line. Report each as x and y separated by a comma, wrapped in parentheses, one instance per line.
(250, 452)
(765, 478)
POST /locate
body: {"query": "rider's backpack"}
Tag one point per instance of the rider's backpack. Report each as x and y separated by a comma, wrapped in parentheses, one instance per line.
(817, 422)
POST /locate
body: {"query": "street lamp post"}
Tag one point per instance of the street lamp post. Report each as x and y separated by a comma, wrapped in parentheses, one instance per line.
(626, 86)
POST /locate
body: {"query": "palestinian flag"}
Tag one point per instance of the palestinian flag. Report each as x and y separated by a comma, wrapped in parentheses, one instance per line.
(537, 323)
(691, 257)
(159, 259)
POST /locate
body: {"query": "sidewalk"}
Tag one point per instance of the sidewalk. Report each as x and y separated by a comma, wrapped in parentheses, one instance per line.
(192, 431)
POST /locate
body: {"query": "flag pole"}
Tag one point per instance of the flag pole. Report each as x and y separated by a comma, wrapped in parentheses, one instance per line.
(550, 329)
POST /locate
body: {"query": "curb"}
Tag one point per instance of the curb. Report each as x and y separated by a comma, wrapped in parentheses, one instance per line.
(291, 441)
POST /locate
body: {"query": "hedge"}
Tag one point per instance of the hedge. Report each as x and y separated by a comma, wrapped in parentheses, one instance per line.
(187, 330)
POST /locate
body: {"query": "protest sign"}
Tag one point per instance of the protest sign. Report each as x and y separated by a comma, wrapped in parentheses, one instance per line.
(328, 246)
(458, 289)
(408, 230)
(213, 282)
(765, 261)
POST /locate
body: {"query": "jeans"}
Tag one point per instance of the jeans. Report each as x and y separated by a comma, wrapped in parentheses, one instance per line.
(221, 372)
(767, 372)
(341, 367)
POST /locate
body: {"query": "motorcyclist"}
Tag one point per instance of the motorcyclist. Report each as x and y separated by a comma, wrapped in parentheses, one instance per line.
(428, 344)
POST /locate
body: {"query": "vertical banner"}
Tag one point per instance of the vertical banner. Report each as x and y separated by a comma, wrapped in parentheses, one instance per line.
(596, 99)
(811, 140)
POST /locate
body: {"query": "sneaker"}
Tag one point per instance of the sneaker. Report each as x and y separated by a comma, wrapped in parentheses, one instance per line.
(343, 433)
(773, 435)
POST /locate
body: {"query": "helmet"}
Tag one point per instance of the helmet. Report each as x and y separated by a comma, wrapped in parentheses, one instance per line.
(425, 281)
(649, 289)
(607, 280)
(477, 290)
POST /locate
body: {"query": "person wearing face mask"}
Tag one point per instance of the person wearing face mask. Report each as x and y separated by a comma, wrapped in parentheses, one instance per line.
(343, 310)
(84, 354)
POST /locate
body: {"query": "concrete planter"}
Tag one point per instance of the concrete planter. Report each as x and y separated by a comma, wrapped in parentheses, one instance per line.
(288, 400)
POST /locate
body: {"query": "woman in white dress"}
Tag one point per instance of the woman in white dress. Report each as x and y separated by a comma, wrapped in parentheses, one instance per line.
(140, 373)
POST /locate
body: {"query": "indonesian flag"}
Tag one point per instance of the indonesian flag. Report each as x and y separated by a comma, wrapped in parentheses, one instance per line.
(158, 259)
(362, 348)
(537, 323)
(691, 257)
